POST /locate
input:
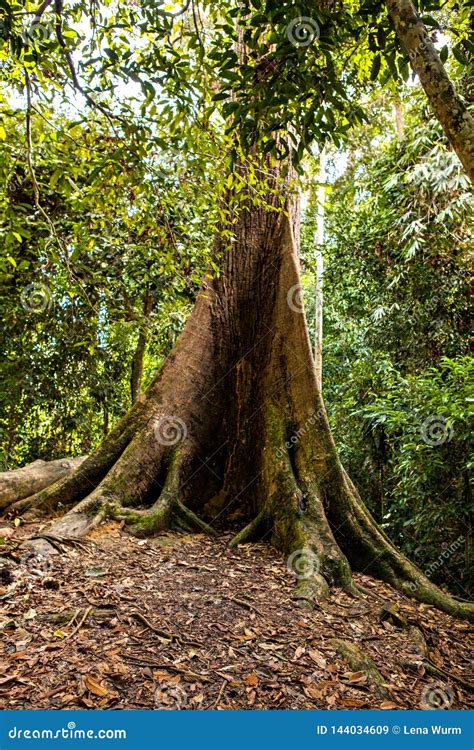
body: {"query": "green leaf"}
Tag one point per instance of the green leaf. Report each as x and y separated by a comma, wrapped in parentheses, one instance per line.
(375, 67)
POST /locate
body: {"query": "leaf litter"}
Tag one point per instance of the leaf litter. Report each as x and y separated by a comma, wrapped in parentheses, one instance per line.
(182, 621)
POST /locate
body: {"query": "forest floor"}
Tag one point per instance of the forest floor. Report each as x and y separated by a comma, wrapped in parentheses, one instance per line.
(182, 621)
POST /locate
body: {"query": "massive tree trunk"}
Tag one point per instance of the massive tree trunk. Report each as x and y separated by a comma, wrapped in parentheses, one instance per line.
(233, 426)
(447, 105)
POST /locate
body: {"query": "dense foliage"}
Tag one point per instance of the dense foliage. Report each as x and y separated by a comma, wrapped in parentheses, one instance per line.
(103, 257)
(397, 375)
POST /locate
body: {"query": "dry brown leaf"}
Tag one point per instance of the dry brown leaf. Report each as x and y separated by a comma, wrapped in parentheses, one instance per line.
(251, 680)
(388, 705)
(318, 659)
(326, 684)
(355, 677)
(6, 680)
(94, 686)
(313, 692)
(196, 699)
(353, 703)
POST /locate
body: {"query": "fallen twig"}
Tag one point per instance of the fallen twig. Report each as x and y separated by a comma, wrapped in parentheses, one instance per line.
(163, 633)
(220, 694)
(247, 605)
(81, 622)
(141, 661)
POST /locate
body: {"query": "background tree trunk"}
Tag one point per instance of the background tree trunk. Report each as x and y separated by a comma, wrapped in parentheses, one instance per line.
(447, 105)
(399, 119)
(319, 239)
(140, 349)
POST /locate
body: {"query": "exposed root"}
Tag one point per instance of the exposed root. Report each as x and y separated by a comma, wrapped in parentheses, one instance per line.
(370, 550)
(434, 669)
(88, 473)
(188, 520)
(252, 532)
(164, 514)
(314, 556)
(292, 512)
(78, 522)
(313, 589)
(22, 483)
(59, 542)
(292, 499)
(361, 662)
(80, 623)
(68, 617)
(391, 566)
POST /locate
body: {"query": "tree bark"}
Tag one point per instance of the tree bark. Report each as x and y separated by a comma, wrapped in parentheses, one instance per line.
(447, 105)
(234, 427)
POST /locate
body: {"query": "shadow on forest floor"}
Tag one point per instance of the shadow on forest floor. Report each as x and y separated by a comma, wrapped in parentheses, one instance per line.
(181, 621)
